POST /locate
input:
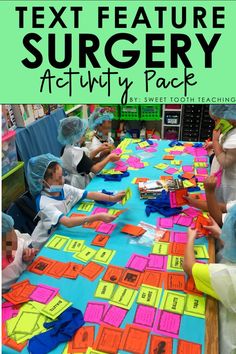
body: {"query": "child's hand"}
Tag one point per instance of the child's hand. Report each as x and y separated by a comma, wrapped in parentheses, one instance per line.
(29, 254)
(106, 217)
(210, 184)
(208, 145)
(216, 135)
(192, 201)
(118, 196)
(192, 233)
(105, 146)
(114, 157)
(214, 229)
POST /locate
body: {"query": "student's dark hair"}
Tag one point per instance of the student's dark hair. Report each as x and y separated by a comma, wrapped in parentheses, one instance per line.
(50, 170)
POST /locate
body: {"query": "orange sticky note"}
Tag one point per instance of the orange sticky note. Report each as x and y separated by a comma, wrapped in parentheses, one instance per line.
(200, 222)
(108, 339)
(190, 287)
(81, 340)
(57, 269)
(100, 240)
(177, 249)
(166, 178)
(76, 215)
(131, 279)
(141, 179)
(175, 281)
(168, 157)
(91, 225)
(153, 278)
(133, 230)
(165, 237)
(40, 265)
(113, 274)
(135, 339)
(185, 347)
(160, 344)
(73, 270)
(188, 175)
(9, 342)
(91, 271)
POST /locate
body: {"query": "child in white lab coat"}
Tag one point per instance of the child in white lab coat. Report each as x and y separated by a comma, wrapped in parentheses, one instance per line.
(218, 280)
(15, 252)
(100, 121)
(77, 164)
(54, 199)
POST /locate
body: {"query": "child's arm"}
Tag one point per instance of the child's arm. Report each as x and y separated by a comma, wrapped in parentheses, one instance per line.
(99, 165)
(105, 197)
(196, 203)
(104, 147)
(189, 256)
(214, 208)
(225, 158)
(70, 221)
(29, 254)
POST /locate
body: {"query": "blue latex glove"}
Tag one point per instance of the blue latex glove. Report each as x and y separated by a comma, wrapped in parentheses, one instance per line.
(161, 205)
(61, 330)
(115, 177)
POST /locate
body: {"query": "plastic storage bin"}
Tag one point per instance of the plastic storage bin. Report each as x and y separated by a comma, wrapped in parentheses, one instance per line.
(150, 111)
(9, 155)
(129, 112)
(13, 185)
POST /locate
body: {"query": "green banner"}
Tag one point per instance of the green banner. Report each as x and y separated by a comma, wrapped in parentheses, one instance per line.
(118, 52)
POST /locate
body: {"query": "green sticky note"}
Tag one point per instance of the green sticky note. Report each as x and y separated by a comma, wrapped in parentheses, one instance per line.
(144, 144)
(200, 164)
(160, 248)
(123, 297)
(124, 156)
(26, 322)
(128, 195)
(146, 163)
(161, 166)
(127, 151)
(104, 290)
(57, 242)
(201, 185)
(104, 255)
(55, 307)
(134, 180)
(200, 251)
(195, 306)
(149, 295)
(187, 183)
(74, 246)
(175, 263)
(176, 162)
(86, 206)
(173, 301)
(113, 211)
(85, 255)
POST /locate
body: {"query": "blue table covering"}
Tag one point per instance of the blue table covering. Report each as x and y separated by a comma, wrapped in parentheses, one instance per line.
(81, 290)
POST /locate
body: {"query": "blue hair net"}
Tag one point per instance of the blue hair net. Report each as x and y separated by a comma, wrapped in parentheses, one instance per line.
(71, 130)
(228, 235)
(225, 111)
(36, 169)
(7, 223)
(99, 116)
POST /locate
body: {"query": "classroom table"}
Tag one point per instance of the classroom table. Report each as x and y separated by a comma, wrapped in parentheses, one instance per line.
(81, 290)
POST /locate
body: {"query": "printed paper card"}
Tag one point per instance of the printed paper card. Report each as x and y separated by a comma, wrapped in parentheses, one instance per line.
(137, 262)
(160, 343)
(113, 274)
(43, 293)
(173, 302)
(104, 255)
(149, 296)
(167, 324)
(100, 240)
(81, 340)
(185, 347)
(175, 281)
(114, 316)
(94, 311)
(153, 278)
(85, 255)
(86, 206)
(134, 339)
(74, 246)
(55, 307)
(104, 290)
(127, 196)
(145, 316)
(200, 251)
(195, 306)
(160, 248)
(176, 162)
(123, 297)
(91, 271)
(131, 279)
(108, 339)
(175, 263)
(157, 262)
(57, 242)
(177, 198)
(161, 166)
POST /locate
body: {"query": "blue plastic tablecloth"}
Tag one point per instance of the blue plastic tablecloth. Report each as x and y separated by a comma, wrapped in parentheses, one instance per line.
(81, 290)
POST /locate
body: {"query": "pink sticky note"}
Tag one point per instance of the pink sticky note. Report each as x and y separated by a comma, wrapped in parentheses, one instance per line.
(151, 149)
(106, 228)
(120, 163)
(137, 262)
(9, 310)
(167, 323)
(99, 210)
(114, 316)
(187, 168)
(175, 218)
(145, 316)
(200, 159)
(117, 151)
(191, 212)
(200, 178)
(202, 171)
(178, 236)
(43, 293)
(121, 168)
(184, 220)
(175, 152)
(95, 311)
(171, 170)
(165, 222)
(157, 262)
(200, 152)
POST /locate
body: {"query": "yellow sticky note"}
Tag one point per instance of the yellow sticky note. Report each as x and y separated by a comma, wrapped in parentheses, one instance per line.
(195, 306)
(146, 163)
(143, 144)
(74, 246)
(160, 248)
(124, 156)
(55, 307)
(85, 255)
(123, 297)
(149, 296)
(127, 196)
(104, 290)
(173, 301)
(161, 166)
(187, 184)
(176, 162)
(104, 255)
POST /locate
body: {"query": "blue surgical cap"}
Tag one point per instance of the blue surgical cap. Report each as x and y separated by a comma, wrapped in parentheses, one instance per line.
(36, 169)
(71, 130)
(228, 235)
(7, 223)
(223, 111)
(99, 116)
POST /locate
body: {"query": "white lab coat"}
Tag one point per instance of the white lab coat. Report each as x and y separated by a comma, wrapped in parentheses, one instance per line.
(11, 273)
(71, 157)
(51, 209)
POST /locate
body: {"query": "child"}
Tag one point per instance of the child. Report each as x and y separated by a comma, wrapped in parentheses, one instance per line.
(100, 121)
(218, 281)
(224, 145)
(15, 252)
(75, 161)
(54, 199)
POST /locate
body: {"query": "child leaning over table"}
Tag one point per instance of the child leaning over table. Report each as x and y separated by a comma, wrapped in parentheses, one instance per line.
(76, 163)
(15, 252)
(54, 199)
(218, 281)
